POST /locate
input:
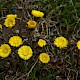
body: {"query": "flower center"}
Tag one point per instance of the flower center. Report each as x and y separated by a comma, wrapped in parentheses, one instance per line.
(5, 50)
(15, 42)
(32, 23)
(44, 57)
(25, 52)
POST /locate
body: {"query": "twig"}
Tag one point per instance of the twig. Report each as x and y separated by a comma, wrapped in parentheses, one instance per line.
(2, 18)
(27, 74)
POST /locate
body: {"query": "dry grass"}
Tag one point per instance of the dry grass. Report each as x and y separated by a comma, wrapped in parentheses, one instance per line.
(61, 19)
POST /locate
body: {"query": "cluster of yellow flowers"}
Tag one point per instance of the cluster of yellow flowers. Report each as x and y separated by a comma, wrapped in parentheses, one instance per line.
(24, 51)
(32, 23)
(43, 57)
(10, 19)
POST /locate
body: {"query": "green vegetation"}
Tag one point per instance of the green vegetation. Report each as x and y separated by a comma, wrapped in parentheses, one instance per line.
(61, 18)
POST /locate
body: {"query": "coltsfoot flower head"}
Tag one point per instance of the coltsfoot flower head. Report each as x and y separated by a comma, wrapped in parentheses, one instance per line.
(5, 50)
(11, 16)
(37, 13)
(41, 42)
(31, 24)
(15, 41)
(25, 52)
(9, 22)
(78, 44)
(44, 57)
(61, 42)
(0, 26)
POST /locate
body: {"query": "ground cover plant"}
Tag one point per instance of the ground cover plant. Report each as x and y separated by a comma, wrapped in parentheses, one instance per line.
(39, 40)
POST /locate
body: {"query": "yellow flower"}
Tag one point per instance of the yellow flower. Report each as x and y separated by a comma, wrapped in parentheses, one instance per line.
(0, 27)
(11, 16)
(78, 44)
(37, 13)
(9, 22)
(25, 52)
(41, 42)
(31, 24)
(15, 41)
(44, 57)
(61, 42)
(5, 50)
